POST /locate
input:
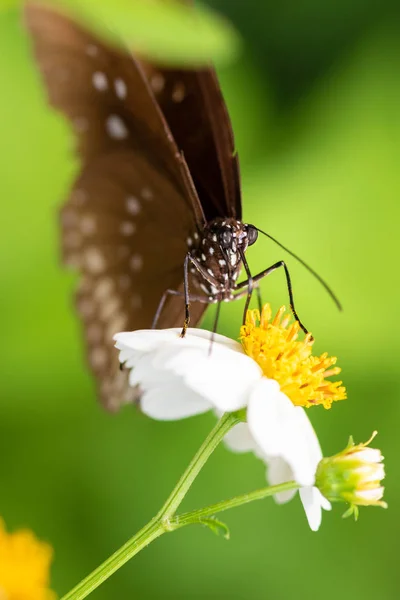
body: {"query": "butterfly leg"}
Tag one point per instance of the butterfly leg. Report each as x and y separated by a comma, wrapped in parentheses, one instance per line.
(271, 269)
(215, 325)
(162, 303)
(167, 293)
(190, 259)
(249, 283)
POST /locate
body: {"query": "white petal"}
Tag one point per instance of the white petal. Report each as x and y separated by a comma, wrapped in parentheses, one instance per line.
(167, 368)
(369, 495)
(225, 376)
(146, 340)
(368, 455)
(313, 502)
(264, 412)
(239, 439)
(283, 430)
(279, 472)
(172, 401)
(370, 472)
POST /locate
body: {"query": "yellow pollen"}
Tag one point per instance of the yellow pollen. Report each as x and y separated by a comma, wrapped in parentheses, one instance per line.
(273, 344)
(24, 566)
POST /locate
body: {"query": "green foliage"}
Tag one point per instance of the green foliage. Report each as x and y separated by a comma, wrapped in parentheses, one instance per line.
(323, 177)
(8, 4)
(169, 31)
(216, 526)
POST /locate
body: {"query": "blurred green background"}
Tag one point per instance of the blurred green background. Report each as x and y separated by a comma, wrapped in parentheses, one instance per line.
(315, 102)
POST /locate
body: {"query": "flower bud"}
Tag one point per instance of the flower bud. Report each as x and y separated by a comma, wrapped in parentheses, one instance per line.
(353, 475)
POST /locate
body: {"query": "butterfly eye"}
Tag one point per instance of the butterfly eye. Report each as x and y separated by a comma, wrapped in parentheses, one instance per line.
(252, 234)
(225, 238)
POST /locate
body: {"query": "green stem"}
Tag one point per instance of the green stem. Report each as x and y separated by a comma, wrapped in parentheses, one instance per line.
(143, 538)
(157, 527)
(159, 524)
(226, 422)
(196, 516)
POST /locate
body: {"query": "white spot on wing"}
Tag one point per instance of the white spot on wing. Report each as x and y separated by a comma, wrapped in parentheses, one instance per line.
(91, 50)
(88, 224)
(136, 262)
(100, 81)
(120, 88)
(103, 289)
(116, 127)
(132, 205)
(157, 83)
(146, 193)
(178, 92)
(109, 308)
(94, 260)
(117, 324)
(127, 228)
(98, 357)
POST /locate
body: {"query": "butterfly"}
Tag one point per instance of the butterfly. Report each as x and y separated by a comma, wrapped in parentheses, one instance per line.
(153, 222)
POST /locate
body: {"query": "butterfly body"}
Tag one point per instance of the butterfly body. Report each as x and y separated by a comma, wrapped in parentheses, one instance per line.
(217, 257)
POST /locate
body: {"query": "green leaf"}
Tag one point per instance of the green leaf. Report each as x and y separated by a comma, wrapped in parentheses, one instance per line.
(167, 31)
(216, 526)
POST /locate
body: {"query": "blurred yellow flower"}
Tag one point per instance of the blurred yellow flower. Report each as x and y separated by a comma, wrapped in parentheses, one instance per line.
(273, 344)
(24, 566)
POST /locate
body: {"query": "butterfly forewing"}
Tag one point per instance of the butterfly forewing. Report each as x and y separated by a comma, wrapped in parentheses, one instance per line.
(105, 95)
(131, 210)
(193, 106)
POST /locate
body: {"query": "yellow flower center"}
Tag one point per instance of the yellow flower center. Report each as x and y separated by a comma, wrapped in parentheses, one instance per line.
(24, 566)
(273, 344)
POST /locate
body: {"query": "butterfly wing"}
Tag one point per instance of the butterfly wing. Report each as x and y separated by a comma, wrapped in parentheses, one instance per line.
(193, 106)
(133, 205)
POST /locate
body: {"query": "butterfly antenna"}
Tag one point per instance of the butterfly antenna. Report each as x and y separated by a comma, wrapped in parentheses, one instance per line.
(302, 262)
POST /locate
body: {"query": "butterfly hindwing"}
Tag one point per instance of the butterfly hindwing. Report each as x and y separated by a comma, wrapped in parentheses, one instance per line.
(130, 212)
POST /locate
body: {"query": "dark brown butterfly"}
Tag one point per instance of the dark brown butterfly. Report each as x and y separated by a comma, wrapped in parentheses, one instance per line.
(156, 209)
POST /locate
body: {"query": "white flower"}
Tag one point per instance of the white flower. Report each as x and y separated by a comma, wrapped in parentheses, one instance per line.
(353, 475)
(281, 434)
(179, 378)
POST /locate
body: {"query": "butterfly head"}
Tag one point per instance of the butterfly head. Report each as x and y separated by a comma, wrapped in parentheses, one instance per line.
(219, 251)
